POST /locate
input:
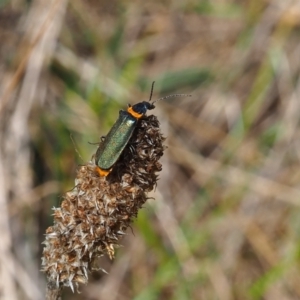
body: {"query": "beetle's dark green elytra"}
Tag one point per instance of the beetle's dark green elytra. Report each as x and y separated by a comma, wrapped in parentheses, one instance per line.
(119, 135)
(116, 140)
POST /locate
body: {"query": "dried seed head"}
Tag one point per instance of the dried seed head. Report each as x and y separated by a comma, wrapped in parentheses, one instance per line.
(96, 213)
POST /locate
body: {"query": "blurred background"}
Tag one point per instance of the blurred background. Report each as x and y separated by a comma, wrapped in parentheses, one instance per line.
(225, 222)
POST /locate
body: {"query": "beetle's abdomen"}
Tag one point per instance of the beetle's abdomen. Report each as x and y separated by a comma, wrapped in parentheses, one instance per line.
(115, 141)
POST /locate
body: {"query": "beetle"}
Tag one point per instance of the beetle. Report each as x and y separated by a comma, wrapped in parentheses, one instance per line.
(112, 146)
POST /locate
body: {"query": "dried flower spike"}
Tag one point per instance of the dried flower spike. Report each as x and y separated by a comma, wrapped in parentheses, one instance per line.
(96, 213)
(107, 195)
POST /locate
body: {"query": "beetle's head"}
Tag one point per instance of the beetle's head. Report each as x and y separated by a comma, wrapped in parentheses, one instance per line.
(142, 107)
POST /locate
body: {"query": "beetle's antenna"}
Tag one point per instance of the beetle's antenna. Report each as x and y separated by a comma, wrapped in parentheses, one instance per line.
(171, 96)
(151, 90)
(166, 97)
